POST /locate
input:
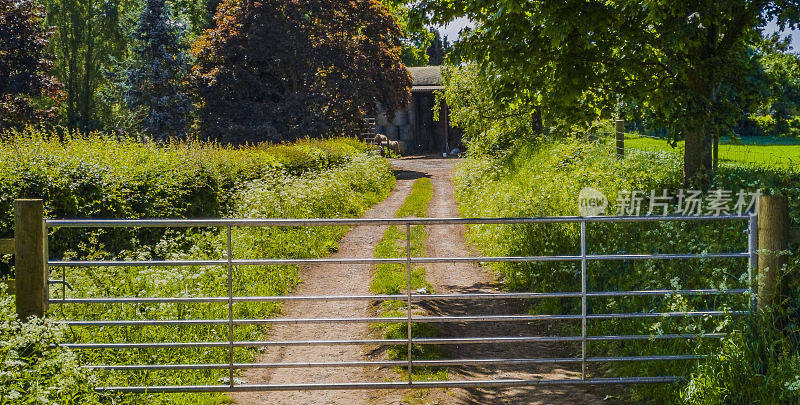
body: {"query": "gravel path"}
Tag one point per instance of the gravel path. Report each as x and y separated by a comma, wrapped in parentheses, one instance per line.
(448, 241)
(446, 278)
(329, 280)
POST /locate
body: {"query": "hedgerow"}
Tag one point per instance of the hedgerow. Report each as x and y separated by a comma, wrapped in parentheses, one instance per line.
(545, 180)
(98, 176)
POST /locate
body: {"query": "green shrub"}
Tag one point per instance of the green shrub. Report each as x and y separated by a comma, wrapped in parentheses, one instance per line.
(32, 370)
(793, 127)
(766, 124)
(759, 363)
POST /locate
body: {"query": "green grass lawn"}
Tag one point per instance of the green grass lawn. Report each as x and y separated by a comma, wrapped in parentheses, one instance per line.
(760, 151)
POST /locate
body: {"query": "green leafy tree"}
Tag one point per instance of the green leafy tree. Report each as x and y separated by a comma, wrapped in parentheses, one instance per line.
(196, 14)
(416, 39)
(24, 65)
(781, 77)
(491, 123)
(278, 70)
(155, 90)
(683, 61)
(89, 35)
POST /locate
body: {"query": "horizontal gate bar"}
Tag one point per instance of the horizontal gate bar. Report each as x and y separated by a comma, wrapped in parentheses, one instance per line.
(665, 336)
(387, 385)
(665, 314)
(419, 341)
(672, 357)
(670, 256)
(419, 363)
(242, 366)
(168, 345)
(415, 260)
(423, 319)
(414, 297)
(256, 222)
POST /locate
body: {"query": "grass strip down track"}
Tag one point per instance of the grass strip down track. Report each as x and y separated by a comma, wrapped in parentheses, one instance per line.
(391, 278)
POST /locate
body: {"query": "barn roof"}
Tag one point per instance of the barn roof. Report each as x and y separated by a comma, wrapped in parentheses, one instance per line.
(425, 78)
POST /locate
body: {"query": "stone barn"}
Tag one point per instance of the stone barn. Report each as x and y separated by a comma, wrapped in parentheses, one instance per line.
(414, 126)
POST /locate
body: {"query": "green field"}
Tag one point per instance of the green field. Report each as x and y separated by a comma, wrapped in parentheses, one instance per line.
(759, 151)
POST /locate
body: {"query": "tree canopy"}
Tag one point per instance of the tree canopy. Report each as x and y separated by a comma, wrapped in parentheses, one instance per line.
(438, 49)
(276, 70)
(686, 62)
(24, 64)
(415, 39)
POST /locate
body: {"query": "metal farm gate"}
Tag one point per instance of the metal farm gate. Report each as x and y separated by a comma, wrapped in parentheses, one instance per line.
(230, 263)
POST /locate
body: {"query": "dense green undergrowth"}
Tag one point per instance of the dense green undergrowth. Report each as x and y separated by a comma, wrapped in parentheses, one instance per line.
(545, 180)
(280, 181)
(392, 278)
(33, 371)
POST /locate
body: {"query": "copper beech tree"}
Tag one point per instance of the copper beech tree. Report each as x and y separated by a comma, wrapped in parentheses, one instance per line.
(26, 87)
(275, 70)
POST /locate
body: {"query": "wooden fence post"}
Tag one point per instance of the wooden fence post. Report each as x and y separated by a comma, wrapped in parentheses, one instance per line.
(30, 261)
(620, 138)
(773, 239)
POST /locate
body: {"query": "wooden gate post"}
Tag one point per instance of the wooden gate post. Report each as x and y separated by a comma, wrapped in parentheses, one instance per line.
(620, 138)
(30, 261)
(773, 240)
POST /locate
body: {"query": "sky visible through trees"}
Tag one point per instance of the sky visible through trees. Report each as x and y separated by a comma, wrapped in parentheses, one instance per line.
(451, 31)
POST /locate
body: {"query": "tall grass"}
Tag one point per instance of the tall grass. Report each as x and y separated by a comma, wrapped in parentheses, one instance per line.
(345, 191)
(391, 278)
(545, 180)
(759, 363)
(33, 369)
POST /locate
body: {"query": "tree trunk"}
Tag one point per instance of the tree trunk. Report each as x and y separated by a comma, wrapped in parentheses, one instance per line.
(697, 160)
(536, 120)
(716, 153)
(88, 70)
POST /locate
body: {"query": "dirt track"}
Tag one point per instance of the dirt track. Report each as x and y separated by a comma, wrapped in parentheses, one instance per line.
(446, 278)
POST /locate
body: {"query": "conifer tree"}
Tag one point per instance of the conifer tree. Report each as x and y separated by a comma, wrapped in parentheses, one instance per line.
(154, 84)
(436, 51)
